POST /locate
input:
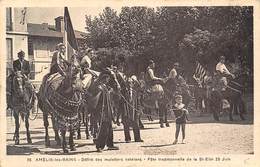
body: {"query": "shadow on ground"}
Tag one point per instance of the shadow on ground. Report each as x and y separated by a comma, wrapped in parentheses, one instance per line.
(21, 150)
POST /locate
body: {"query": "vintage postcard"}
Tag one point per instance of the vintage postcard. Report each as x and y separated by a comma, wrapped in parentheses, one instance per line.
(120, 83)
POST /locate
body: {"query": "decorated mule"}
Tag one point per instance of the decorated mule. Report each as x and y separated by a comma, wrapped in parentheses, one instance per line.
(20, 99)
(60, 97)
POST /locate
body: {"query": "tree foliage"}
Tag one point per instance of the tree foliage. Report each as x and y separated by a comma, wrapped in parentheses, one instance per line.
(168, 34)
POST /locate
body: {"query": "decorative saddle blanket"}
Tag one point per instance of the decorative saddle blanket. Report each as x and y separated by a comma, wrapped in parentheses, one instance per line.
(64, 110)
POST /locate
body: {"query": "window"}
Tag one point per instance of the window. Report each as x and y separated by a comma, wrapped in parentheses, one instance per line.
(9, 25)
(9, 53)
(30, 47)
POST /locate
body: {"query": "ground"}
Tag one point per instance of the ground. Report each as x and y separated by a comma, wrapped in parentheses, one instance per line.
(203, 136)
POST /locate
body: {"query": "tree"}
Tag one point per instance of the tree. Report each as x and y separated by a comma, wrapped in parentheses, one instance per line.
(168, 34)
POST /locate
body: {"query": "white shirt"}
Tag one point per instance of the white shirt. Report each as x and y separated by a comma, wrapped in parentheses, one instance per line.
(151, 73)
(86, 81)
(173, 73)
(222, 68)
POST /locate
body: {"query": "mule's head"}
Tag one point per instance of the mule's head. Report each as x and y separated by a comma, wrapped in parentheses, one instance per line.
(18, 84)
(109, 78)
(73, 74)
(134, 82)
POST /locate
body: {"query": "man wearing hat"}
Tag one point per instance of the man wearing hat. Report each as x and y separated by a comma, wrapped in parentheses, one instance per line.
(21, 64)
(59, 63)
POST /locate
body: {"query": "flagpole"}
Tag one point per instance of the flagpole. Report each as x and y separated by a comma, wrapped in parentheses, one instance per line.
(69, 35)
(65, 37)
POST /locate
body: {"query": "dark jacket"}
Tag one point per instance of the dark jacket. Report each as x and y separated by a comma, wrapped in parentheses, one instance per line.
(24, 66)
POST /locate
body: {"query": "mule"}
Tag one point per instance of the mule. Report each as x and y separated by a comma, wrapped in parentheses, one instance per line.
(20, 99)
(60, 96)
(232, 93)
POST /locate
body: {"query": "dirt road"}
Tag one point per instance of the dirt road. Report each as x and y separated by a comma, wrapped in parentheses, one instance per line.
(203, 136)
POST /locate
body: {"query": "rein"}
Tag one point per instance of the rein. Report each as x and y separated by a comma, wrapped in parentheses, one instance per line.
(26, 107)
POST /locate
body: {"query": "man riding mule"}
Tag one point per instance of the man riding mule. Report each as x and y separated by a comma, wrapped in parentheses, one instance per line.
(60, 96)
(59, 63)
(20, 94)
(154, 90)
(226, 93)
(153, 83)
(222, 71)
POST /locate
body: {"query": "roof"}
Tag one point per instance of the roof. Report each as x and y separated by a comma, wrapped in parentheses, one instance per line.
(45, 30)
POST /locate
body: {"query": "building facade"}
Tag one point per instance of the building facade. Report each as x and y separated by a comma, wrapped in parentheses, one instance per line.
(38, 41)
(16, 35)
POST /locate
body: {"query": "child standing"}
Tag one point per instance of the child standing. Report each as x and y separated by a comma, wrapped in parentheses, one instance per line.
(181, 116)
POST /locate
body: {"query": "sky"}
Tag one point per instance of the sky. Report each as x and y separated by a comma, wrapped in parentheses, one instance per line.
(77, 14)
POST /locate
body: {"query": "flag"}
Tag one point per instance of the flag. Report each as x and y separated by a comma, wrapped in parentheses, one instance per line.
(69, 35)
(235, 86)
(200, 72)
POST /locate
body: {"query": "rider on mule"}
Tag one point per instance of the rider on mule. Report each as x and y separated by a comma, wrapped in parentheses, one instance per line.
(153, 82)
(21, 64)
(87, 74)
(223, 72)
(20, 94)
(155, 89)
(59, 63)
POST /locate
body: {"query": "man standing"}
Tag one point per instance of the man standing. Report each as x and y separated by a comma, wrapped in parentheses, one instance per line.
(22, 65)
(105, 132)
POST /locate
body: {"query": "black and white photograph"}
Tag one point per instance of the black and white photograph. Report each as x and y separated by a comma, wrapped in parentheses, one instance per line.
(129, 80)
